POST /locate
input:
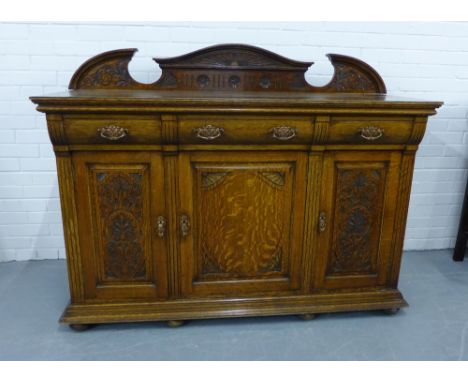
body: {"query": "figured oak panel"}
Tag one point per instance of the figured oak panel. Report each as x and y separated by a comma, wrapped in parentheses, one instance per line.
(245, 215)
(243, 228)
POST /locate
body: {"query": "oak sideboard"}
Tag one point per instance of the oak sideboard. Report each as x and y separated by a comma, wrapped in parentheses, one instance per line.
(231, 187)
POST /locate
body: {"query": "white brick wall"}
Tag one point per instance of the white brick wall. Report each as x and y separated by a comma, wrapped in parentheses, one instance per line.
(421, 60)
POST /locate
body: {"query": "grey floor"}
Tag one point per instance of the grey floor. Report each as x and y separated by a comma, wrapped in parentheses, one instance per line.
(434, 327)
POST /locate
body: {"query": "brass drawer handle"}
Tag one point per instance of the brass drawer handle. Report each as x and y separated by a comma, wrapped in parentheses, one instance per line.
(209, 132)
(161, 224)
(322, 221)
(113, 132)
(184, 225)
(283, 133)
(371, 133)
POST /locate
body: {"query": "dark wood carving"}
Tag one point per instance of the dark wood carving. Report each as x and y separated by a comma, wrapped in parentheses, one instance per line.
(232, 67)
(357, 221)
(243, 223)
(119, 202)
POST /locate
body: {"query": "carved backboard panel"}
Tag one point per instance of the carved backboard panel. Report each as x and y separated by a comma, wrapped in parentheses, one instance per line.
(229, 67)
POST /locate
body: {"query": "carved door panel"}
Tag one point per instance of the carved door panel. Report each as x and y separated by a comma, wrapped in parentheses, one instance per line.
(122, 219)
(242, 222)
(357, 209)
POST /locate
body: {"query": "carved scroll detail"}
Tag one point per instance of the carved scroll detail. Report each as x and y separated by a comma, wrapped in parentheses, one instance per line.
(212, 179)
(275, 179)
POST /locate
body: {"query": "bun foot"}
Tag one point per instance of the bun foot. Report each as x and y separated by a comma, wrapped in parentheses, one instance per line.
(391, 311)
(79, 327)
(175, 323)
(307, 316)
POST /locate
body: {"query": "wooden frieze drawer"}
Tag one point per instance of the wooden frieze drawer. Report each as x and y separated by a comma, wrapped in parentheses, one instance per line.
(232, 129)
(370, 130)
(231, 187)
(112, 129)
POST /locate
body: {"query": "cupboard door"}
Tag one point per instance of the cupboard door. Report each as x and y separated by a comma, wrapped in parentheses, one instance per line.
(241, 217)
(357, 208)
(122, 220)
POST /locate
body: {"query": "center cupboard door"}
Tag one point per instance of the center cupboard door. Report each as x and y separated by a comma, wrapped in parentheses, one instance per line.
(120, 205)
(356, 221)
(241, 222)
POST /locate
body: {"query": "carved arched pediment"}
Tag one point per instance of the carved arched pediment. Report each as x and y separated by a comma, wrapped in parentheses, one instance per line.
(229, 67)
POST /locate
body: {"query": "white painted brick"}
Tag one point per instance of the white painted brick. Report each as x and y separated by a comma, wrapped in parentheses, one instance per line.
(49, 242)
(33, 205)
(46, 151)
(28, 77)
(14, 217)
(41, 192)
(53, 204)
(7, 136)
(11, 192)
(62, 253)
(15, 179)
(8, 93)
(38, 164)
(43, 217)
(16, 242)
(25, 254)
(99, 33)
(13, 230)
(44, 178)
(14, 31)
(30, 136)
(56, 229)
(12, 62)
(53, 32)
(144, 33)
(17, 122)
(47, 253)
(19, 150)
(9, 164)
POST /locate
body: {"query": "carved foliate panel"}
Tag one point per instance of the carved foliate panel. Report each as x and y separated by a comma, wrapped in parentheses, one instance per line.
(121, 206)
(359, 198)
(243, 218)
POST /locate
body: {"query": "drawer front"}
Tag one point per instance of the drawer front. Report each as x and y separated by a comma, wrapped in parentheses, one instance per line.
(363, 130)
(112, 129)
(211, 129)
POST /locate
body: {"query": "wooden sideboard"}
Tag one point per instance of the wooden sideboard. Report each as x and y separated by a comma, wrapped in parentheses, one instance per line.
(231, 187)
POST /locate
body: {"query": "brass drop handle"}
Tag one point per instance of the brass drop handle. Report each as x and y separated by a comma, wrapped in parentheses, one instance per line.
(184, 225)
(209, 132)
(371, 133)
(322, 221)
(113, 132)
(161, 225)
(283, 133)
